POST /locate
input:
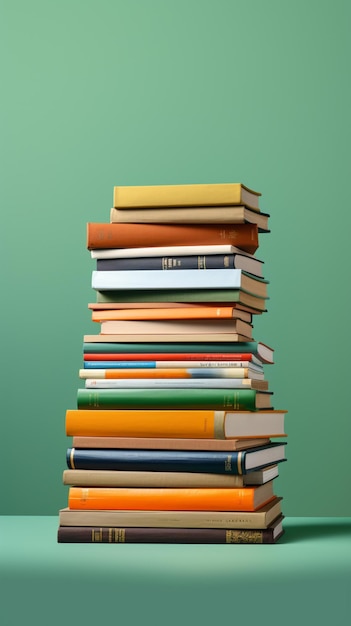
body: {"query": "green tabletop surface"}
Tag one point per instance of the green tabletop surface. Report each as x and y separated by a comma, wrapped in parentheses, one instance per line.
(308, 572)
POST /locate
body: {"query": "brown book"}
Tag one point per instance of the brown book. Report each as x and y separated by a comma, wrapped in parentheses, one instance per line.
(159, 443)
(261, 518)
(92, 534)
(188, 195)
(106, 235)
(191, 215)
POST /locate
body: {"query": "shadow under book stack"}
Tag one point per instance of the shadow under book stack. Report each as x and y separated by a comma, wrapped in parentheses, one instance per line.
(175, 438)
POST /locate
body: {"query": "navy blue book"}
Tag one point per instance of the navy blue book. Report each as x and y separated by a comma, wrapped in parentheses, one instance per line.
(239, 462)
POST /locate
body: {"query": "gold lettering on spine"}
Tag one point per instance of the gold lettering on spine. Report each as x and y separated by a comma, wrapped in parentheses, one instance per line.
(243, 536)
(228, 463)
(71, 458)
(96, 535)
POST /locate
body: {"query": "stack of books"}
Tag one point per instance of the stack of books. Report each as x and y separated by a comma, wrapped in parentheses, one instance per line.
(175, 437)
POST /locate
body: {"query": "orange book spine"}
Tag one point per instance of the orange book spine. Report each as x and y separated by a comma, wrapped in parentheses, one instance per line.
(208, 312)
(145, 423)
(108, 235)
(165, 499)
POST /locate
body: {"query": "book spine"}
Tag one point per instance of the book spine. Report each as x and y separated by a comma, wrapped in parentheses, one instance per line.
(175, 383)
(113, 478)
(94, 534)
(110, 365)
(148, 498)
(202, 461)
(176, 350)
(158, 279)
(209, 261)
(145, 423)
(107, 235)
(165, 372)
(216, 399)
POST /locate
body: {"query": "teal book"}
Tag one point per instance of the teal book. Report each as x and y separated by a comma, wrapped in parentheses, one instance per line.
(216, 399)
(183, 295)
(256, 348)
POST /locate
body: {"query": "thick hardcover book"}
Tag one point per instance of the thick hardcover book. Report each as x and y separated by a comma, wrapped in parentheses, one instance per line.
(183, 423)
(261, 518)
(191, 215)
(188, 195)
(211, 462)
(94, 534)
(194, 313)
(176, 383)
(200, 262)
(171, 372)
(113, 478)
(216, 399)
(169, 443)
(178, 279)
(186, 296)
(154, 350)
(106, 235)
(170, 499)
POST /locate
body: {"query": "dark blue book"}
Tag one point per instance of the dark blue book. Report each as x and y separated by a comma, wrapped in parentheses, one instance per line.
(239, 462)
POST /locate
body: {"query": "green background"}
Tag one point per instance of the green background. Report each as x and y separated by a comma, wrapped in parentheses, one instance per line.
(97, 94)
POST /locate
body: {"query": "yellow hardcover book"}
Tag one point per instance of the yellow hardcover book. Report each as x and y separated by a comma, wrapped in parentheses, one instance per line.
(215, 194)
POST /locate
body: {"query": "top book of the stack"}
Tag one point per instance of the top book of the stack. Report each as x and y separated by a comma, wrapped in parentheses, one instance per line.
(215, 194)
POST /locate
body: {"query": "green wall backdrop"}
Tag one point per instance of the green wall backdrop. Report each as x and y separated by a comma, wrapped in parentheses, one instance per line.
(96, 94)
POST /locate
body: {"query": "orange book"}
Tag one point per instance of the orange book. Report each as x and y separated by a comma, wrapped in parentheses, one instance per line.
(107, 235)
(199, 424)
(169, 372)
(170, 498)
(187, 313)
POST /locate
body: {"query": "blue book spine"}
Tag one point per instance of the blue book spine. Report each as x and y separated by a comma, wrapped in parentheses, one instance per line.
(157, 460)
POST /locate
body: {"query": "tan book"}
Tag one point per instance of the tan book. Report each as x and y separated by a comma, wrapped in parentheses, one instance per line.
(191, 215)
(106, 478)
(261, 518)
(176, 327)
(212, 194)
(162, 443)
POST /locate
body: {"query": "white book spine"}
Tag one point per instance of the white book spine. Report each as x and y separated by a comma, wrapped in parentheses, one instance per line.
(159, 279)
(125, 253)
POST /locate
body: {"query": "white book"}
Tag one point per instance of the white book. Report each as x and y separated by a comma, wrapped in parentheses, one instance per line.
(124, 253)
(178, 279)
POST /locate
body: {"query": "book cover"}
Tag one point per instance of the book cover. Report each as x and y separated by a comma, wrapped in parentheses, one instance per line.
(157, 351)
(164, 498)
(170, 372)
(92, 534)
(244, 262)
(261, 518)
(179, 279)
(186, 296)
(188, 195)
(196, 313)
(107, 235)
(167, 443)
(216, 399)
(191, 215)
(216, 462)
(176, 383)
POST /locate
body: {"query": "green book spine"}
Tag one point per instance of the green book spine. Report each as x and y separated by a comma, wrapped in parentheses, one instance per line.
(236, 347)
(216, 399)
(174, 295)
